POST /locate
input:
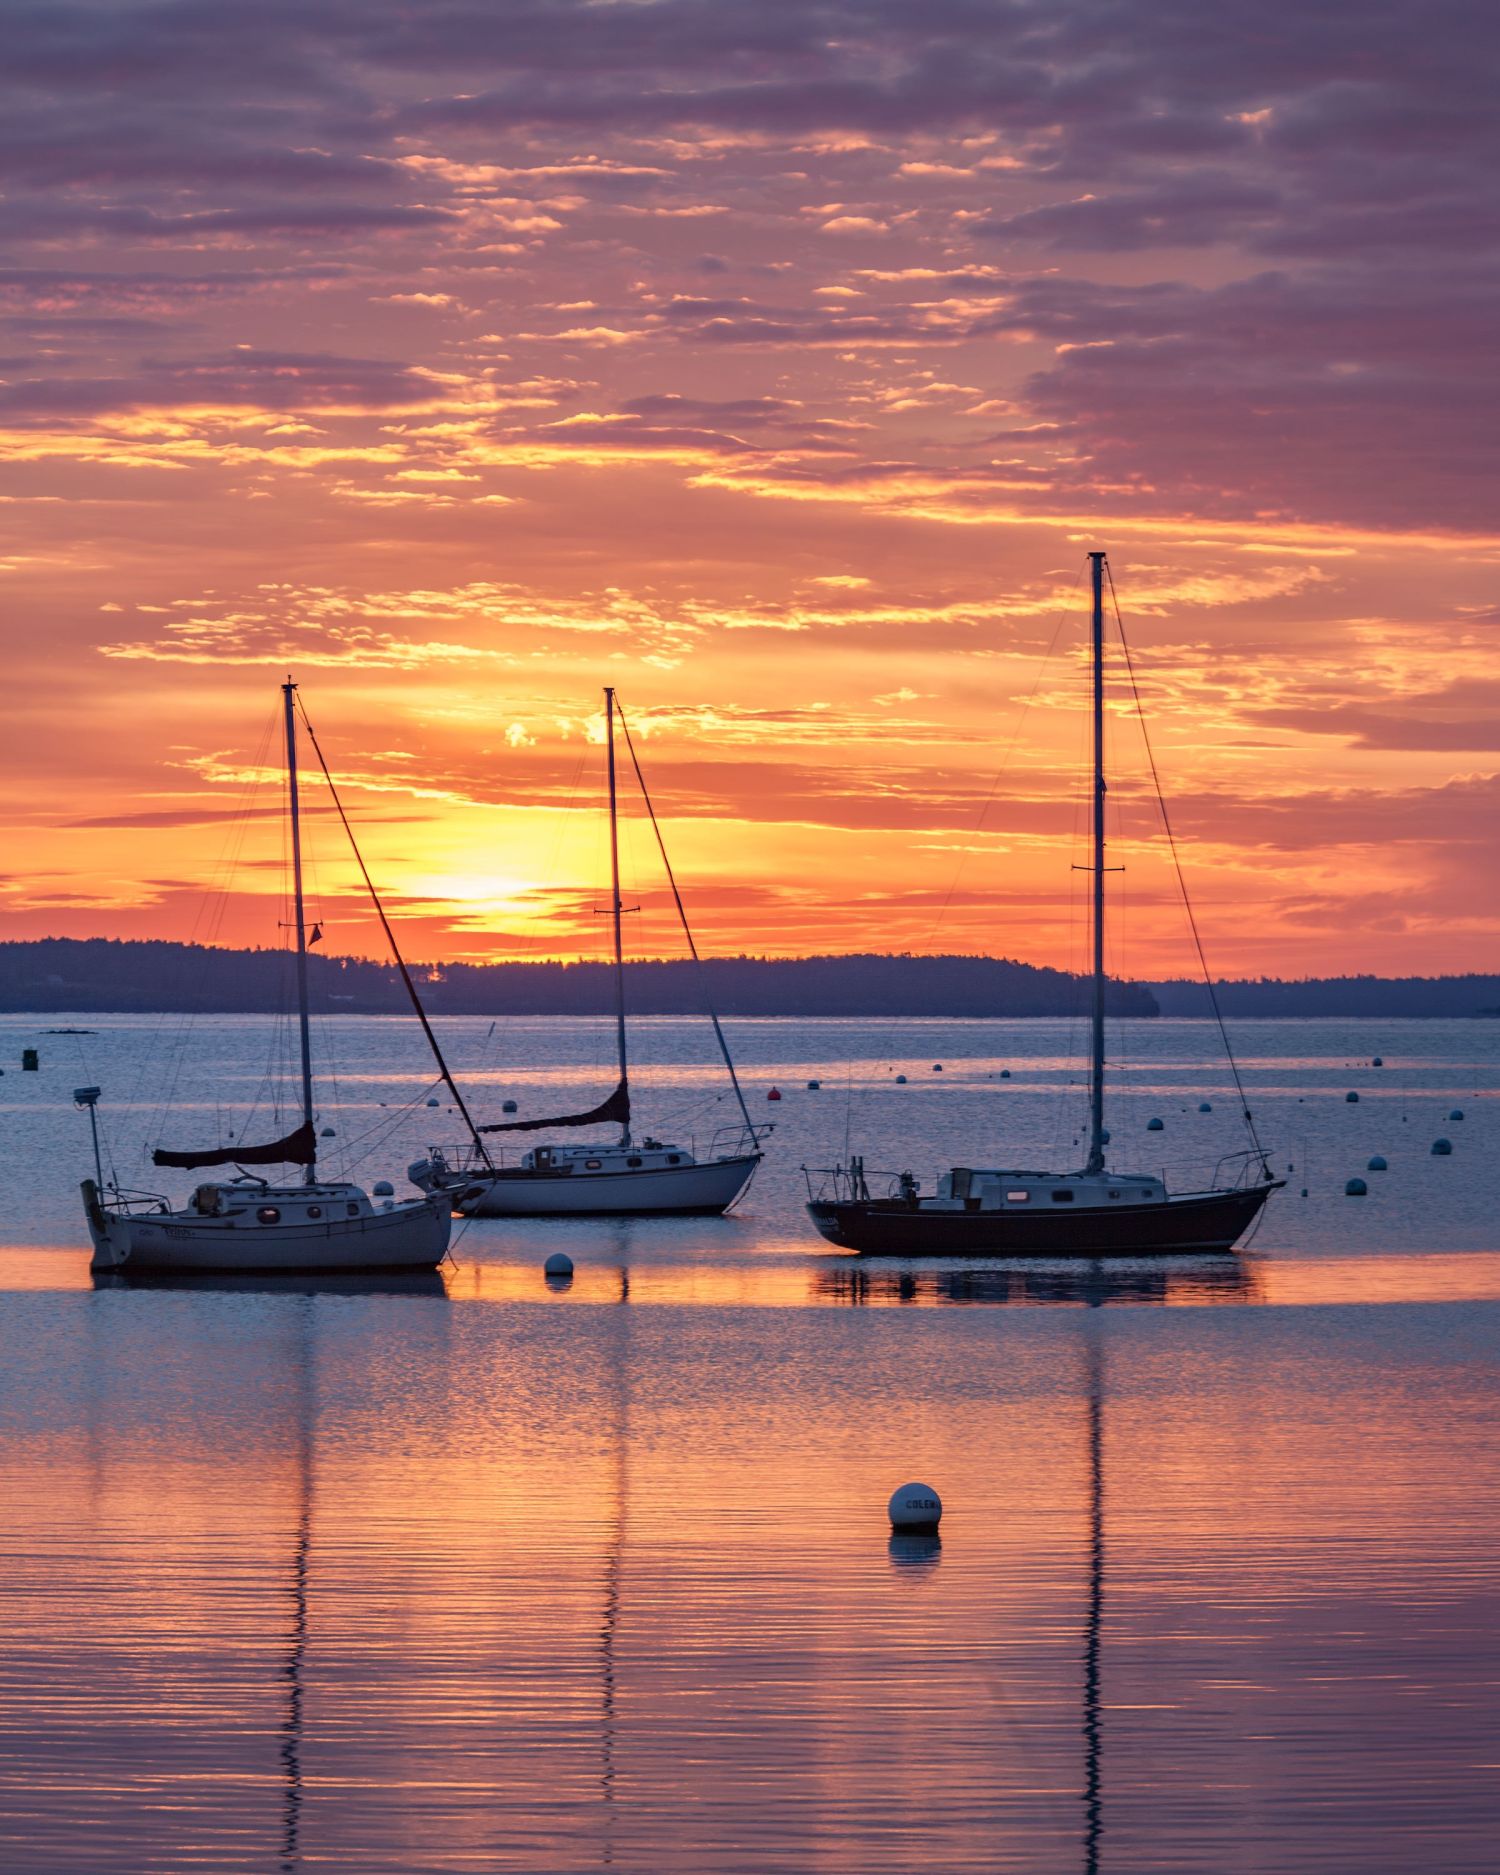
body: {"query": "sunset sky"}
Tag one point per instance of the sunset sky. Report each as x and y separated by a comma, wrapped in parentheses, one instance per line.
(777, 364)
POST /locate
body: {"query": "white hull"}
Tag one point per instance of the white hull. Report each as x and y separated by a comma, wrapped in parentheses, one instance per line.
(654, 1190)
(409, 1236)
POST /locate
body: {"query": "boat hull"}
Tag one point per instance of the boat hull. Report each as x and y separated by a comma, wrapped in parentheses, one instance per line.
(1191, 1225)
(655, 1191)
(410, 1236)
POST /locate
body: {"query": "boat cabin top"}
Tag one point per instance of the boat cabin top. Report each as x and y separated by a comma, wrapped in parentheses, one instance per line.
(649, 1156)
(250, 1202)
(1007, 1191)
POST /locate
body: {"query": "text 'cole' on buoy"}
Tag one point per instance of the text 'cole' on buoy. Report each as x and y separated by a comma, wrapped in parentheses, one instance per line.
(558, 1268)
(915, 1507)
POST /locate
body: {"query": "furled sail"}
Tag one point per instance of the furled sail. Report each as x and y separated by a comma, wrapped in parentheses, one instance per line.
(616, 1109)
(299, 1148)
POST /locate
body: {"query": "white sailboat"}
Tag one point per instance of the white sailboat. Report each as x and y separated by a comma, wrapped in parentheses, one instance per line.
(645, 1177)
(247, 1222)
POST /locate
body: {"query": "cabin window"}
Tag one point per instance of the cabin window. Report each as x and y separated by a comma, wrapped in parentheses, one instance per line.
(593, 1165)
(1062, 1197)
(634, 1160)
(1018, 1197)
(354, 1210)
(268, 1214)
(1114, 1194)
(315, 1210)
(674, 1158)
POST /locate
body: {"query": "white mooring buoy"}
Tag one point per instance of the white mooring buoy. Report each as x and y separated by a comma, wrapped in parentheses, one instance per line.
(557, 1267)
(915, 1507)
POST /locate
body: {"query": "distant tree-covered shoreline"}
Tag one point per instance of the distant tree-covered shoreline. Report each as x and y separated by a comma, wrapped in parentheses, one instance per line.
(55, 975)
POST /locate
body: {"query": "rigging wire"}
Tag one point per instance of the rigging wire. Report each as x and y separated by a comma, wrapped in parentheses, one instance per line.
(390, 938)
(1187, 904)
(682, 914)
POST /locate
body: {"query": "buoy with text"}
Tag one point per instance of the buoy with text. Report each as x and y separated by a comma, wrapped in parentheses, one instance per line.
(915, 1507)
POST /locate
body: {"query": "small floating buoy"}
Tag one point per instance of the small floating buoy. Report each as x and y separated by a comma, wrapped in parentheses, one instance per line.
(30, 1061)
(937, 1067)
(900, 1080)
(774, 1094)
(509, 1106)
(558, 1268)
(1356, 1188)
(432, 1103)
(1156, 1126)
(813, 1086)
(328, 1133)
(1005, 1074)
(1352, 1098)
(382, 1188)
(1377, 1164)
(1378, 1062)
(1442, 1147)
(1205, 1106)
(1457, 1114)
(915, 1507)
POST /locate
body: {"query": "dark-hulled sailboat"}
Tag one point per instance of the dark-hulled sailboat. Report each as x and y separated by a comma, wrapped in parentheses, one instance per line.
(1092, 1212)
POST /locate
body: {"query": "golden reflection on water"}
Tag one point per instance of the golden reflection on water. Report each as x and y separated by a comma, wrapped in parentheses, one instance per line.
(783, 1282)
(353, 1576)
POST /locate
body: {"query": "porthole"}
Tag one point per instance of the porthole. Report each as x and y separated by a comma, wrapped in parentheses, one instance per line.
(674, 1158)
(1018, 1197)
(593, 1165)
(1062, 1197)
(1114, 1194)
(353, 1210)
(315, 1210)
(634, 1162)
(268, 1214)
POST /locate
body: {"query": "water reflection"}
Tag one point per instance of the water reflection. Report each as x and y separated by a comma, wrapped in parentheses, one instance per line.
(918, 1550)
(262, 1283)
(1093, 1806)
(291, 1730)
(1077, 1283)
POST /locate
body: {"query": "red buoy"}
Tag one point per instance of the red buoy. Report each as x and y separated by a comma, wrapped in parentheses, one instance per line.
(775, 1094)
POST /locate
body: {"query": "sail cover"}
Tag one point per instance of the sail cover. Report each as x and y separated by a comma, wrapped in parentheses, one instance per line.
(616, 1109)
(299, 1148)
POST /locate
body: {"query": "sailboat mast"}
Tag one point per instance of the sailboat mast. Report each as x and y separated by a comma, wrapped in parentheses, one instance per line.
(304, 1036)
(1096, 1072)
(616, 908)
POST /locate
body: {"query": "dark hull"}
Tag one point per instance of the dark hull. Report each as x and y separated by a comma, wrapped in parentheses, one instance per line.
(1184, 1226)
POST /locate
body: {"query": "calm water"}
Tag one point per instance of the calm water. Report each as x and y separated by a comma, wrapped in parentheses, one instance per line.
(471, 1574)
